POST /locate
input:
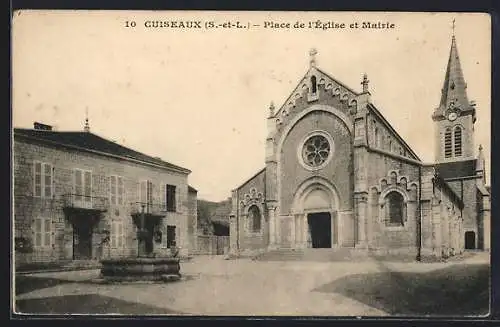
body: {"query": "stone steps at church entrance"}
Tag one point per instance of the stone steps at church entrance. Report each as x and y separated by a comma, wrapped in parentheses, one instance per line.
(313, 255)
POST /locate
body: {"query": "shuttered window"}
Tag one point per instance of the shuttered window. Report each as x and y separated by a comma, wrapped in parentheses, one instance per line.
(43, 179)
(171, 198)
(117, 234)
(116, 190)
(82, 187)
(42, 232)
(145, 192)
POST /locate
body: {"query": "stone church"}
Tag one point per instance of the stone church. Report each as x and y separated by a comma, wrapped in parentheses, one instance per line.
(338, 175)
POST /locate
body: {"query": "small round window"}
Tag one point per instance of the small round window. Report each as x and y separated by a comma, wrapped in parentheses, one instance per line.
(316, 150)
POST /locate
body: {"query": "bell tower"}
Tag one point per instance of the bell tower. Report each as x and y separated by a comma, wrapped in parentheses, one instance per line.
(455, 117)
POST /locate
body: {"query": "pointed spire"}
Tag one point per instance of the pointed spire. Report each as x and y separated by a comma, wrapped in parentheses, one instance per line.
(312, 57)
(453, 93)
(453, 28)
(480, 163)
(365, 83)
(480, 158)
(86, 128)
(271, 109)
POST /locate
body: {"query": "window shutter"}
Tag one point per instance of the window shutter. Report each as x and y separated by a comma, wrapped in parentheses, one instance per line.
(38, 232)
(88, 185)
(163, 236)
(113, 234)
(47, 180)
(150, 192)
(120, 234)
(121, 190)
(78, 182)
(47, 232)
(124, 239)
(177, 199)
(37, 179)
(110, 193)
(52, 237)
(139, 191)
(143, 192)
(163, 196)
(52, 183)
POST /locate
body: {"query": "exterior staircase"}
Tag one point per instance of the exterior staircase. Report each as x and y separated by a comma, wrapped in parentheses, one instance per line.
(313, 255)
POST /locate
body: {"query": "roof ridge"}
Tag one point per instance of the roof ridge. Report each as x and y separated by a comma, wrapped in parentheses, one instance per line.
(133, 154)
(393, 129)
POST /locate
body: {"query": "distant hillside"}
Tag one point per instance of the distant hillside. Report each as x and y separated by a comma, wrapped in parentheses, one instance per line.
(210, 213)
(221, 212)
(204, 212)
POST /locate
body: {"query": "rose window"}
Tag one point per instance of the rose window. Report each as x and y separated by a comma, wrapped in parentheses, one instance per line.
(316, 150)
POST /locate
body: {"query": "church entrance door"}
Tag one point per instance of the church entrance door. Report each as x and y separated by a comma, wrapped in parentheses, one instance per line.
(470, 240)
(320, 229)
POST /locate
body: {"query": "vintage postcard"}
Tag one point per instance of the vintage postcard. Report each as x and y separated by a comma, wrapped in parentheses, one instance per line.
(251, 163)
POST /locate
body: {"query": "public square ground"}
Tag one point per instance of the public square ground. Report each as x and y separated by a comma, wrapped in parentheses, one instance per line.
(213, 286)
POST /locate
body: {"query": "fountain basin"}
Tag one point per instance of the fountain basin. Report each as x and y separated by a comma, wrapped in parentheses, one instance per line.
(140, 269)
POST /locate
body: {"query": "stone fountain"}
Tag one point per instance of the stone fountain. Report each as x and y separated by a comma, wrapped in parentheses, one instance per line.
(146, 266)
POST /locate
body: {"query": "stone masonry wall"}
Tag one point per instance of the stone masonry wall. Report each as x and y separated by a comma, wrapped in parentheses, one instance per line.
(248, 195)
(64, 160)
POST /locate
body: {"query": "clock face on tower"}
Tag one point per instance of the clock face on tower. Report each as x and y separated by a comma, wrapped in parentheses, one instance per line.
(452, 116)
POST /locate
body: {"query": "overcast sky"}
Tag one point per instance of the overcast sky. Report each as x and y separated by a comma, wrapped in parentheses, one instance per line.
(199, 98)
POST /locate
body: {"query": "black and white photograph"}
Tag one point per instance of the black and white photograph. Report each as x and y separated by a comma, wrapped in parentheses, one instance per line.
(232, 163)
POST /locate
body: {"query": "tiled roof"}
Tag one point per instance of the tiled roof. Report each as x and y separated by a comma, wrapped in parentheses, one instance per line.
(483, 189)
(456, 169)
(390, 127)
(92, 142)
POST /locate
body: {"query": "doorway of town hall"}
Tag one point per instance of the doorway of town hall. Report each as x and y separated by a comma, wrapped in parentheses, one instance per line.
(319, 230)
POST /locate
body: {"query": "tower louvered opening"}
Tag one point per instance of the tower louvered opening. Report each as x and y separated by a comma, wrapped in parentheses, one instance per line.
(458, 141)
(447, 143)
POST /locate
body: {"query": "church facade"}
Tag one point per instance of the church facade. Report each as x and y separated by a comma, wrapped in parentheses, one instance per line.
(338, 175)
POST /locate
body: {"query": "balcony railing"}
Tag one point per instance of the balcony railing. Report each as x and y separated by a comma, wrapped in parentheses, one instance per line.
(149, 208)
(81, 201)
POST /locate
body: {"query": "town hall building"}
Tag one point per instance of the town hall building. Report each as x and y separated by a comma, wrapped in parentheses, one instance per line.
(338, 175)
(79, 197)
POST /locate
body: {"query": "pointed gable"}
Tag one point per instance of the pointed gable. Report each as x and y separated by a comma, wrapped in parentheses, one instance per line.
(315, 86)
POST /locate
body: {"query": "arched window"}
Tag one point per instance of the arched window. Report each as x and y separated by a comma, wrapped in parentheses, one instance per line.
(457, 138)
(314, 87)
(254, 218)
(447, 143)
(395, 209)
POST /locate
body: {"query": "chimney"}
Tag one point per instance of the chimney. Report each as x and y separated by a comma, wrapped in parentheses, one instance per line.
(41, 127)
